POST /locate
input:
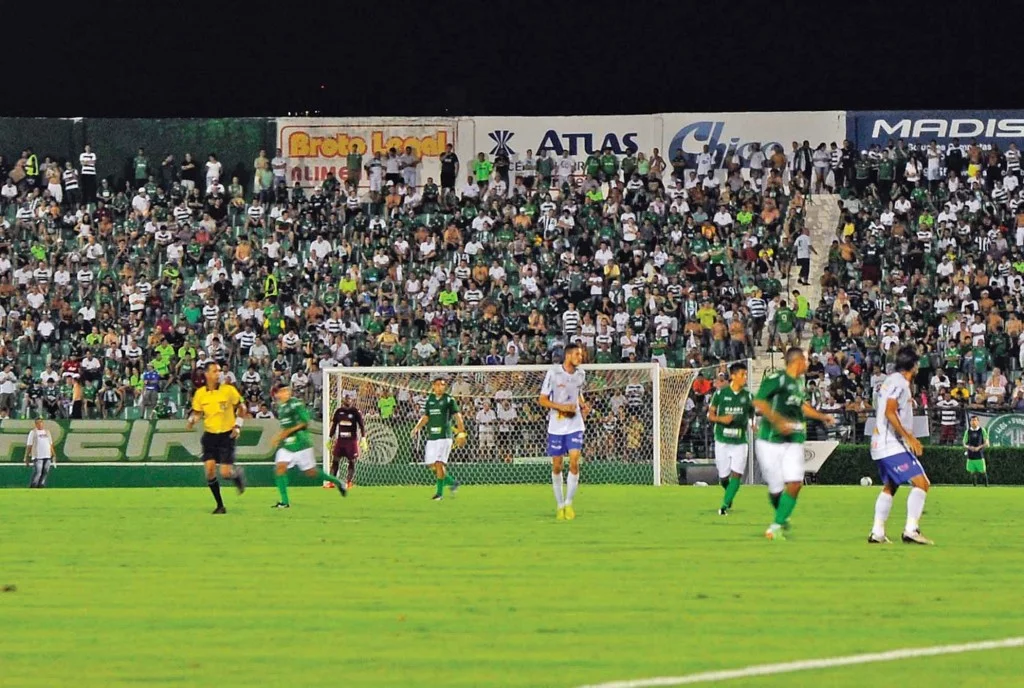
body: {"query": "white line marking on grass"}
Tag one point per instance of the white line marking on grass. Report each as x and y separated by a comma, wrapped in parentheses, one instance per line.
(809, 664)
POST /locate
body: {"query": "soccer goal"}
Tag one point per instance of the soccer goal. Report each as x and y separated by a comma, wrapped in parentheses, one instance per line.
(632, 434)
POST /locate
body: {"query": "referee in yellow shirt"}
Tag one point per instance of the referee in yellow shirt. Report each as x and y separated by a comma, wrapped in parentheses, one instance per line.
(217, 404)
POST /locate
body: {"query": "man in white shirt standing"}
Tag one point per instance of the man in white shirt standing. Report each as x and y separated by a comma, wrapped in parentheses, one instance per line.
(803, 255)
(40, 454)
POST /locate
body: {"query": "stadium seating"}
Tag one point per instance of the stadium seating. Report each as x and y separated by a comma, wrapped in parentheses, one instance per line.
(284, 282)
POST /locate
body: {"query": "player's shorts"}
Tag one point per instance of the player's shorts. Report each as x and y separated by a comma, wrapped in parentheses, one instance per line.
(976, 466)
(730, 458)
(781, 463)
(219, 447)
(304, 459)
(560, 445)
(899, 468)
(437, 451)
(345, 448)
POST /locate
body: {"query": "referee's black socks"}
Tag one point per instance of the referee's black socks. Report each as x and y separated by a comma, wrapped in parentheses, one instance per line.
(214, 486)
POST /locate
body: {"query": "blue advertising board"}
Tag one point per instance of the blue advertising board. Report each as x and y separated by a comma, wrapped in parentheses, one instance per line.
(919, 127)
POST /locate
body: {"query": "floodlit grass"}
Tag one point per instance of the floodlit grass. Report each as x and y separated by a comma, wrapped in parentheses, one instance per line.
(386, 588)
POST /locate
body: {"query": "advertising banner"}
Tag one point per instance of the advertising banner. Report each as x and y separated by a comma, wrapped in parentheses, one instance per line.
(816, 453)
(919, 127)
(156, 441)
(579, 136)
(1005, 430)
(731, 133)
(313, 147)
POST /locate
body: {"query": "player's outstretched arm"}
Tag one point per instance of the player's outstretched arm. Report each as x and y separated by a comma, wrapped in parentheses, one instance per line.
(420, 425)
(241, 412)
(460, 430)
(815, 414)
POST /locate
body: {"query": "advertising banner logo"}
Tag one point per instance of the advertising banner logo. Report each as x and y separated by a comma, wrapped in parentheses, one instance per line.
(920, 127)
(312, 148)
(734, 134)
(577, 136)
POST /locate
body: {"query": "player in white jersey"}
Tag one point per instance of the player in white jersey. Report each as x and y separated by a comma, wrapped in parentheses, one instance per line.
(895, 450)
(562, 395)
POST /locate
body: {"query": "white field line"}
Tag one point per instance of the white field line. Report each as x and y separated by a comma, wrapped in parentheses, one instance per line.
(810, 664)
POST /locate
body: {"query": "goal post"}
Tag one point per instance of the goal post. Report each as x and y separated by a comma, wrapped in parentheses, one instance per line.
(632, 434)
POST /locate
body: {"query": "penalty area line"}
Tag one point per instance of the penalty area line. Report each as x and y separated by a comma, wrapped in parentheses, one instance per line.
(810, 664)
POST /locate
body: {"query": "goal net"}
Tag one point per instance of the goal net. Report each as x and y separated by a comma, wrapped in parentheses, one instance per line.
(632, 434)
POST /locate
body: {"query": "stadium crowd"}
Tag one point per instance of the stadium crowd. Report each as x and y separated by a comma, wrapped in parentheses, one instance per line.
(117, 291)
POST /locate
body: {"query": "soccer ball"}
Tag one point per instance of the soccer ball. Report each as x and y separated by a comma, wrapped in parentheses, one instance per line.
(865, 482)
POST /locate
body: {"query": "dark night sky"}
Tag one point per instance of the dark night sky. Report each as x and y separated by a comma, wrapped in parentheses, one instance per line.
(422, 58)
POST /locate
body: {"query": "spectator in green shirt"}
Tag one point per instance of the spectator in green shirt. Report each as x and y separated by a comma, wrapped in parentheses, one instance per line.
(161, 365)
(482, 169)
(141, 167)
(386, 405)
(803, 311)
(610, 165)
(785, 326)
(821, 341)
(448, 297)
(354, 166)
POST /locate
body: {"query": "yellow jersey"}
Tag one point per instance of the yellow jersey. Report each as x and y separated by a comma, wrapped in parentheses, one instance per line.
(217, 406)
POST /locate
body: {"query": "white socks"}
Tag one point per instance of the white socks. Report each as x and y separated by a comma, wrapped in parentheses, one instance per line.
(556, 483)
(573, 482)
(883, 505)
(915, 507)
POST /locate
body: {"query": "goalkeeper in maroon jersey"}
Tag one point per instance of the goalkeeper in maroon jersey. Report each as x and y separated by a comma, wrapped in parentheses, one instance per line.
(347, 428)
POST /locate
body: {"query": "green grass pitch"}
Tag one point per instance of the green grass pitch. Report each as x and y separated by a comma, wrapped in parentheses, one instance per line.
(387, 588)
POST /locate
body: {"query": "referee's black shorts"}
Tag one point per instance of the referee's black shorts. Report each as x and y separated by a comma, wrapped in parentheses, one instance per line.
(219, 447)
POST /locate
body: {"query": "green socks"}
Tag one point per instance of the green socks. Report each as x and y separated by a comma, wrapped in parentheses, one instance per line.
(327, 477)
(282, 486)
(730, 492)
(446, 481)
(786, 504)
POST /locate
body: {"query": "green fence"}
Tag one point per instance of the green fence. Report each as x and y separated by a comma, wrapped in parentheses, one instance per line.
(116, 141)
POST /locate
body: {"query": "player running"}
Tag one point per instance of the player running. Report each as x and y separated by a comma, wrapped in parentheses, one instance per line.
(296, 446)
(975, 441)
(439, 412)
(562, 395)
(217, 404)
(781, 400)
(346, 429)
(895, 450)
(730, 411)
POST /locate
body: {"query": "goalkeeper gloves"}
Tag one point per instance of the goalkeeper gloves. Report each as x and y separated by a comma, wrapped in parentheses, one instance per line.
(364, 444)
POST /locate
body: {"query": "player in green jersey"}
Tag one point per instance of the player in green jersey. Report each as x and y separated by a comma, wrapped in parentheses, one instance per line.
(295, 445)
(782, 401)
(730, 411)
(439, 412)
